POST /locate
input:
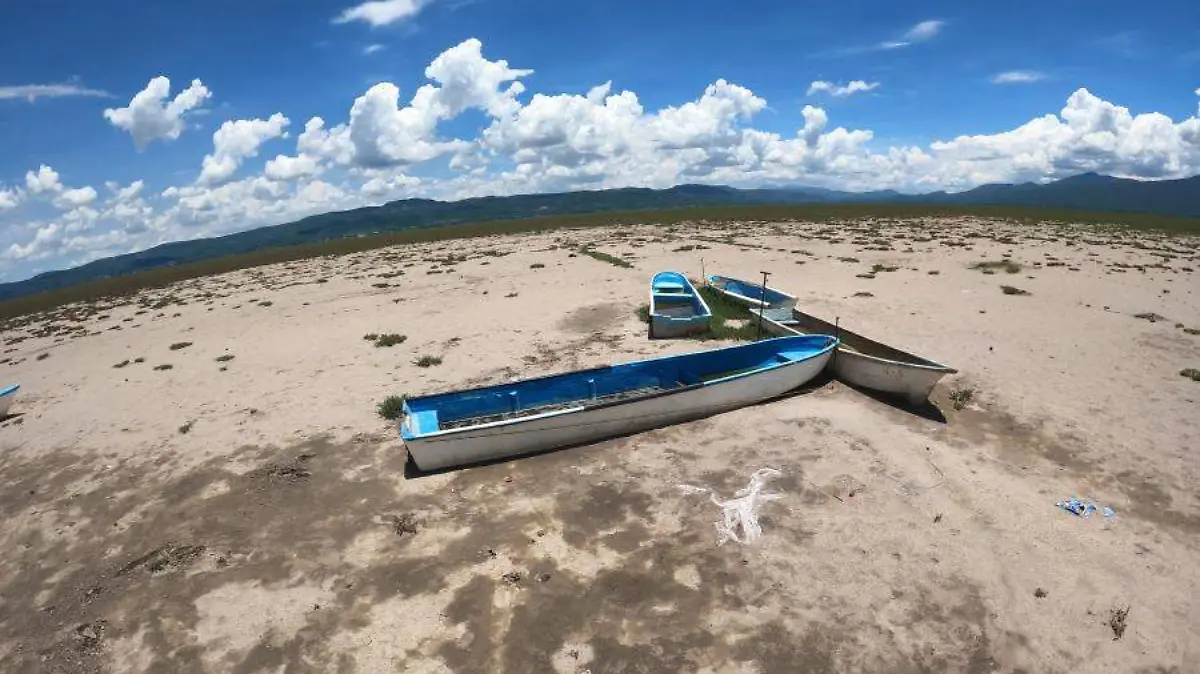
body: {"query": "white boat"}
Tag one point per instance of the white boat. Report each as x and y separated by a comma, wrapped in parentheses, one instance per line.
(6, 399)
(750, 294)
(532, 415)
(676, 309)
(864, 362)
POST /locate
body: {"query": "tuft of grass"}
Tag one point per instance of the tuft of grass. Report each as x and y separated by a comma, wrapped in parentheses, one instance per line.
(1118, 617)
(643, 313)
(43, 356)
(225, 358)
(1192, 331)
(183, 430)
(1191, 373)
(121, 364)
(867, 275)
(876, 268)
(961, 397)
(537, 265)
(992, 266)
(933, 272)
(265, 303)
(139, 359)
(730, 320)
(1150, 316)
(389, 339)
(847, 259)
(1013, 290)
(371, 336)
(164, 366)
(391, 408)
(427, 361)
(180, 345)
(605, 257)
(863, 293)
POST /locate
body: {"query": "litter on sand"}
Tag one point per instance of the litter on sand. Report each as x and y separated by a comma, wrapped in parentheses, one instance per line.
(1085, 508)
(739, 515)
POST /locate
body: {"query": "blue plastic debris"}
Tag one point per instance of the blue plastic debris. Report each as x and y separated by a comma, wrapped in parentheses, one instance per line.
(1082, 508)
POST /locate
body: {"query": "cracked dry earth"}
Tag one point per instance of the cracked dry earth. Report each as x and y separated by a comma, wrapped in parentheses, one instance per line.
(283, 531)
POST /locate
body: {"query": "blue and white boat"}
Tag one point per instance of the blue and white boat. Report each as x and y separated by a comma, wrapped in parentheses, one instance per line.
(750, 294)
(6, 399)
(676, 309)
(532, 415)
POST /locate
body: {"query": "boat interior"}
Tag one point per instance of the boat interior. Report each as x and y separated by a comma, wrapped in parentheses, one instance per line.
(674, 297)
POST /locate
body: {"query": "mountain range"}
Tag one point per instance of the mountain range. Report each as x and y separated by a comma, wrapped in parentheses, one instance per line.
(1088, 191)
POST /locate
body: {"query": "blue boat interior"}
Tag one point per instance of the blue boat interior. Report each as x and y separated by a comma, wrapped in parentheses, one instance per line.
(751, 290)
(604, 385)
(673, 296)
(9, 390)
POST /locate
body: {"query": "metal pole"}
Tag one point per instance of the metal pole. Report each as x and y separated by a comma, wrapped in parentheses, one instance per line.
(763, 306)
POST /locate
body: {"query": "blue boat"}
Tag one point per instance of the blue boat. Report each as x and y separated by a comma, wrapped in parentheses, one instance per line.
(752, 295)
(532, 415)
(676, 309)
(6, 398)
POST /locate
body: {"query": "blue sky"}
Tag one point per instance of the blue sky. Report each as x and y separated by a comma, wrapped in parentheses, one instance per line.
(912, 96)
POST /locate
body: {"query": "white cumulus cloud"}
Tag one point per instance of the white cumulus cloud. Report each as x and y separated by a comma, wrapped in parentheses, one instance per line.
(1017, 77)
(9, 198)
(151, 116)
(372, 48)
(284, 167)
(841, 90)
(74, 198)
(236, 141)
(382, 12)
(45, 180)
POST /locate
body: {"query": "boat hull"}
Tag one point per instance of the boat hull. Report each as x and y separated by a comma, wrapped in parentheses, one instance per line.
(581, 425)
(749, 294)
(887, 370)
(7, 396)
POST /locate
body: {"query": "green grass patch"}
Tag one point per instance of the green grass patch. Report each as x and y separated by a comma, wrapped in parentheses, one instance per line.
(389, 339)
(961, 397)
(605, 257)
(391, 408)
(992, 266)
(427, 361)
(643, 313)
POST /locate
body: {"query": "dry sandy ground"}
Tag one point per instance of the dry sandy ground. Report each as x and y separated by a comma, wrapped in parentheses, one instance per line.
(254, 515)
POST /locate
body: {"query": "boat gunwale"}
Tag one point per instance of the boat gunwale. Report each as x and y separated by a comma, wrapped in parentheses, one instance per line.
(10, 390)
(406, 435)
(753, 301)
(916, 362)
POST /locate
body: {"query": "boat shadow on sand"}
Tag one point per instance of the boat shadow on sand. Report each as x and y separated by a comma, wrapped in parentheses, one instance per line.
(927, 410)
(412, 472)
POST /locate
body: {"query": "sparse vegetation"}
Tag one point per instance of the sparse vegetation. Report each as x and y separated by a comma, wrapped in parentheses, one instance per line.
(847, 259)
(371, 336)
(643, 313)
(992, 266)
(1191, 373)
(389, 339)
(180, 345)
(164, 366)
(961, 397)
(876, 268)
(537, 265)
(183, 430)
(1013, 290)
(427, 361)
(863, 293)
(121, 364)
(1118, 617)
(42, 356)
(139, 359)
(605, 257)
(224, 358)
(265, 303)
(1150, 316)
(391, 408)
(1192, 331)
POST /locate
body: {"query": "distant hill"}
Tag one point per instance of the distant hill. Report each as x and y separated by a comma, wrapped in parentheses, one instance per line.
(1087, 191)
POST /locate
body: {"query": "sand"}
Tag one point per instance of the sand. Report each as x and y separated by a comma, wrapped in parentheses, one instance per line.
(255, 514)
